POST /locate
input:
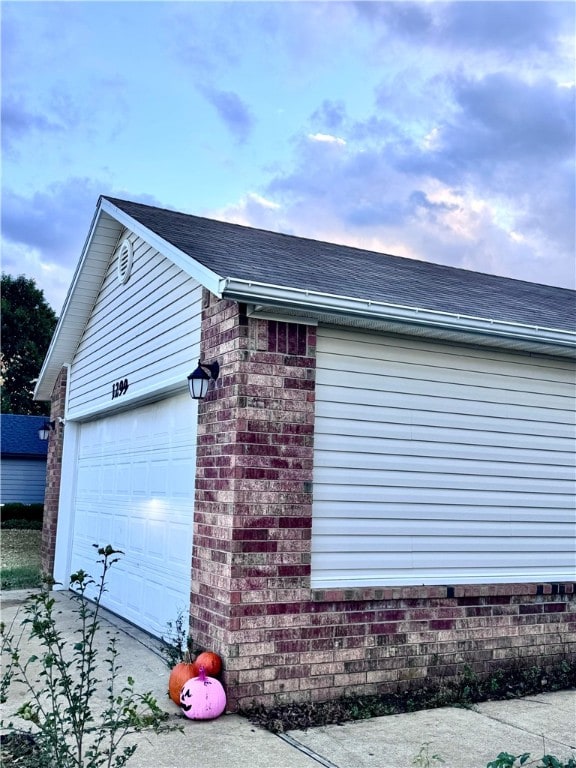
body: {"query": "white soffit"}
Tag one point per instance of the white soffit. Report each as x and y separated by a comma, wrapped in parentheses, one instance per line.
(102, 239)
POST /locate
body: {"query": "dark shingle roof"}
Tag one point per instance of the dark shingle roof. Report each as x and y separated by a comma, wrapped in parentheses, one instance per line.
(232, 250)
(19, 436)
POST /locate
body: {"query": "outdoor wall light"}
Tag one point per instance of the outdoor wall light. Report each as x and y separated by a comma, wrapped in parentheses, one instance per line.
(45, 429)
(49, 426)
(199, 379)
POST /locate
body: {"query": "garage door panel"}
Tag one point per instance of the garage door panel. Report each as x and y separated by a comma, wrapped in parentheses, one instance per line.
(135, 491)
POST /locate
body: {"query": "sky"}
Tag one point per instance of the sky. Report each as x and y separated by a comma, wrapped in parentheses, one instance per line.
(439, 131)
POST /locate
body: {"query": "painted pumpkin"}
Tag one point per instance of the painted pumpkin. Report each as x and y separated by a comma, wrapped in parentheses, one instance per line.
(211, 662)
(182, 672)
(202, 698)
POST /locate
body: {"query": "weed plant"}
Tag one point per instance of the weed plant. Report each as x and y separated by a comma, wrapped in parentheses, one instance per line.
(511, 681)
(177, 645)
(506, 760)
(62, 684)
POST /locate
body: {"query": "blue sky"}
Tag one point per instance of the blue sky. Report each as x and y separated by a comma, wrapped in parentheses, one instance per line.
(441, 131)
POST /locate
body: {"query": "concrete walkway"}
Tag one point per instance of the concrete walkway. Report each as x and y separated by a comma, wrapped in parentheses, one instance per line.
(463, 738)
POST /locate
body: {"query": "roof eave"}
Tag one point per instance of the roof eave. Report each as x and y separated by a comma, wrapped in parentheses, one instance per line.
(345, 306)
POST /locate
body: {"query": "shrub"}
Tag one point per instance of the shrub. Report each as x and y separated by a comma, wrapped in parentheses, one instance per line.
(21, 525)
(12, 511)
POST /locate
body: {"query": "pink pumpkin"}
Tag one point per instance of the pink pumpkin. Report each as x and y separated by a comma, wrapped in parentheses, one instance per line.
(202, 697)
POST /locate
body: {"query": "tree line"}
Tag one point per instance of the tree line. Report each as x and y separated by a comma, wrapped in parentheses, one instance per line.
(28, 323)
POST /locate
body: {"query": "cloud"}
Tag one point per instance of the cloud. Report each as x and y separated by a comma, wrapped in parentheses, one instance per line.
(497, 122)
(43, 234)
(232, 110)
(326, 138)
(514, 142)
(42, 221)
(406, 18)
(253, 210)
(488, 186)
(330, 114)
(20, 120)
(506, 119)
(510, 27)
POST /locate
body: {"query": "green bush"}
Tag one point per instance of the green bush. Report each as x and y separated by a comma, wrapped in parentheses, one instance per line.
(14, 515)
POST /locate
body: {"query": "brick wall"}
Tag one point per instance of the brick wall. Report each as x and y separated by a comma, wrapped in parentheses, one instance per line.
(251, 597)
(253, 488)
(53, 474)
(334, 644)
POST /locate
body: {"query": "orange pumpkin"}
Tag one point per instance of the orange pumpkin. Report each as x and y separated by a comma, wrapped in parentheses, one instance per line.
(211, 662)
(179, 675)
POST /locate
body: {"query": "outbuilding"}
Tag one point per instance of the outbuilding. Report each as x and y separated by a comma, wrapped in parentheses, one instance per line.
(23, 459)
(379, 485)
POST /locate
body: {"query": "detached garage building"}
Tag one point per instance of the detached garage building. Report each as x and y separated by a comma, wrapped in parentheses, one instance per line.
(378, 487)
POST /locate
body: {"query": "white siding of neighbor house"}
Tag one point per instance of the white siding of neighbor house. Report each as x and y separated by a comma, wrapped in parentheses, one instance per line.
(146, 331)
(441, 464)
(23, 481)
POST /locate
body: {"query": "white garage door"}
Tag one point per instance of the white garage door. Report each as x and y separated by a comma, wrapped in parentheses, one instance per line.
(135, 491)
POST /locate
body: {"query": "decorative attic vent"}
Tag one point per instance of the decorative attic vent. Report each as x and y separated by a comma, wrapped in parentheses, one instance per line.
(125, 261)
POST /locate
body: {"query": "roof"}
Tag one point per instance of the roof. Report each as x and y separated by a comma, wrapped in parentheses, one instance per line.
(320, 282)
(245, 253)
(19, 436)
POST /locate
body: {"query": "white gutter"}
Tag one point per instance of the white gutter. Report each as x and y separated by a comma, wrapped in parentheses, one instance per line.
(275, 295)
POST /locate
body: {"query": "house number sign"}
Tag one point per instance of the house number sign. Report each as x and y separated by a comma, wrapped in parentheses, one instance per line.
(119, 388)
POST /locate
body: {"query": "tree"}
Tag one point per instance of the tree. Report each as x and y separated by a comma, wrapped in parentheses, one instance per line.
(27, 326)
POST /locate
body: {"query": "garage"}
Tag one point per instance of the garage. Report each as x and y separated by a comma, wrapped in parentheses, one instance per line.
(135, 491)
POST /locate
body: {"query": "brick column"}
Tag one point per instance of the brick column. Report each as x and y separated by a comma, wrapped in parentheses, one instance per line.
(253, 512)
(53, 474)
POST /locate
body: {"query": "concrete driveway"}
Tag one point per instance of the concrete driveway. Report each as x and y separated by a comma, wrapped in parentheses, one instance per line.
(462, 738)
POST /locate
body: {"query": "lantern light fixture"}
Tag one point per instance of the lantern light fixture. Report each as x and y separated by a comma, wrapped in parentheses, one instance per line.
(45, 429)
(200, 378)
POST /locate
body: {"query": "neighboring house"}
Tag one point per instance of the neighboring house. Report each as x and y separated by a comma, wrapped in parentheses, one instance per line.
(23, 457)
(378, 487)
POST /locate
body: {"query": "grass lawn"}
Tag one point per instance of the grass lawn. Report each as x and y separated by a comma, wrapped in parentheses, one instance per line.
(20, 559)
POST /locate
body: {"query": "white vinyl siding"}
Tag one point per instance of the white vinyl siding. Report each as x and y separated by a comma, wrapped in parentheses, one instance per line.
(440, 464)
(146, 331)
(23, 480)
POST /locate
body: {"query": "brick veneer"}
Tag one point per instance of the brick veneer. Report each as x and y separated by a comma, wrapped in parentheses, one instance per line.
(53, 474)
(251, 598)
